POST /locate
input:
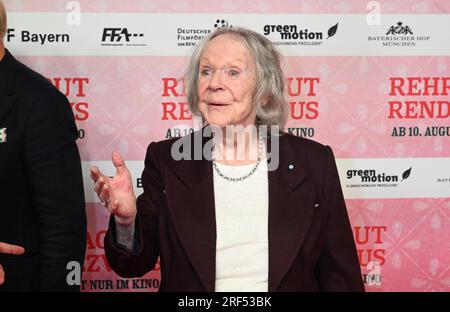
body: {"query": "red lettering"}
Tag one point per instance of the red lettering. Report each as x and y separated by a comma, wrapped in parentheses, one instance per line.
(96, 263)
(365, 236)
(105, 263)
(434, 86)
(416, 86)
(295, 86)
(68, 82)
(91, 262)
(170, 86)
(184, 112)
(419, 109)
(367, 255)
(358, 239)
(378, 230)
(176, 111)
(379, 254)
(363, 261)
(81, 82)
(306, 110)
(99, 238)
(413, 89)
(445, 85)
(169, 109)
(89, 242)
(98, 242)
(80, 111)
(397, 84)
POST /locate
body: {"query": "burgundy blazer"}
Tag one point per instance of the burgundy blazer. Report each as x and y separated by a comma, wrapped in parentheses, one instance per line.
(311, 246)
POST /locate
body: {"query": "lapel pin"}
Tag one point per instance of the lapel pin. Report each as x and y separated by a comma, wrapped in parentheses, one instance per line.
(2, 135)
(291, 167)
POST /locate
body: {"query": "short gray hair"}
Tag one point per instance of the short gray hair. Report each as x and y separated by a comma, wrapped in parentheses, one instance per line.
(270, 83)
(2, 20)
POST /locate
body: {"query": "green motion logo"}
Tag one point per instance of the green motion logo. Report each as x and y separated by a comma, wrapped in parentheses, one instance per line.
(372, 177)
(296, 35)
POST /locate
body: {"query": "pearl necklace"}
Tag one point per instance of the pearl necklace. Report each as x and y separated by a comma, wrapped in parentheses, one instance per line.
(252, 171)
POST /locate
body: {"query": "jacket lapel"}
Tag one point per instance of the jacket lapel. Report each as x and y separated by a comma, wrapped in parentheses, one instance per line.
(7, 80)
(291, 209)
(194, 219)
(5, 105)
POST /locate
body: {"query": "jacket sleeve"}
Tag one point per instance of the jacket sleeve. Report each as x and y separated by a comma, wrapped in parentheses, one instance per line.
(338, 268)
(142, 259)
(54, 170)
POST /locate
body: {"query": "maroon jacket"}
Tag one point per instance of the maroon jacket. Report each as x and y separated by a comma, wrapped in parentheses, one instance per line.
(311, 246)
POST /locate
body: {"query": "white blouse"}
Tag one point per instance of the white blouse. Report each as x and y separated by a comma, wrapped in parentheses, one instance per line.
(242, 255)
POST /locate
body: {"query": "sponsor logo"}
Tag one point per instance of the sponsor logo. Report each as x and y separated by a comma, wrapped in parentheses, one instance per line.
(221, 23)
(399, 35)
(26, 36)
(122, 37)
(400, 29)
(296, 35)
(362, 178)
(188, 37)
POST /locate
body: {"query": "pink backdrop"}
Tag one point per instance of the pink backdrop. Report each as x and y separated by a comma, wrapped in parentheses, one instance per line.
(122, 102)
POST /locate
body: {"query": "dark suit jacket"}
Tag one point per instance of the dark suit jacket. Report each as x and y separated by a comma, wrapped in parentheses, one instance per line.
(41, 188)
(311, 246)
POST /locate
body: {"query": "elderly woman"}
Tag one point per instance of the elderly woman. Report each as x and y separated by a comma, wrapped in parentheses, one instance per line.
(233, 223)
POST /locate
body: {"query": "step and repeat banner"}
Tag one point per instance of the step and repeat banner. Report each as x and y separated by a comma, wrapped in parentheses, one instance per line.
(371, 79)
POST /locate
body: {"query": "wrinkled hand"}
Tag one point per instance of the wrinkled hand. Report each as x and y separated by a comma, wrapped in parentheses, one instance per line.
(12, 250)
(116, 193)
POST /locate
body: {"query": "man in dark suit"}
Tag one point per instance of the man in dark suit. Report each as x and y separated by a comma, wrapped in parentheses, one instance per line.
(42, 209)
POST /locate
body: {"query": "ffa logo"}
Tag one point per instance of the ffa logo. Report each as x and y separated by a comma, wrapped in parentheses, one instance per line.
(2, 135)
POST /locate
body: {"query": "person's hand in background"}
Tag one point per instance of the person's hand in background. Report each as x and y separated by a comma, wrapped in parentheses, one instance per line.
(12, 250)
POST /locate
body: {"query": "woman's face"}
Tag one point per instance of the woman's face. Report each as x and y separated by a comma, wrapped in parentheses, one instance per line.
(227, 83)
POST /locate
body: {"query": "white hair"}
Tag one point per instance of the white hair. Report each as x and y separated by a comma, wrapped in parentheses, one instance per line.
(269, 98)
(2, 20)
